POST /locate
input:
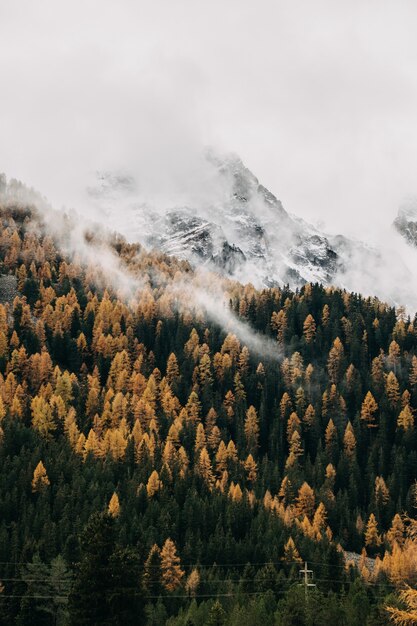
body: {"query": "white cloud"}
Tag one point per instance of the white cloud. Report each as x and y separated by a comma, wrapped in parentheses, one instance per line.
(318, 98)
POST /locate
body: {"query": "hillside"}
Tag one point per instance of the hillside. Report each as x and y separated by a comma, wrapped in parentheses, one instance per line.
(180, 459)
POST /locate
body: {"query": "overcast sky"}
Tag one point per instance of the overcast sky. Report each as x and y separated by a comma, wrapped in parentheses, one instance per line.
(319, 98)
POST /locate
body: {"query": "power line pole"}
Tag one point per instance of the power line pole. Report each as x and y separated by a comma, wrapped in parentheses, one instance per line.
(305, 572)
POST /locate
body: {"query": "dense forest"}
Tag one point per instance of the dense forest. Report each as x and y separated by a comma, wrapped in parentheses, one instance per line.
(158, 466)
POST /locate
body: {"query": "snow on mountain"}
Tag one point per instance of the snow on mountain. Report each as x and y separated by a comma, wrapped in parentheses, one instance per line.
(246, 233)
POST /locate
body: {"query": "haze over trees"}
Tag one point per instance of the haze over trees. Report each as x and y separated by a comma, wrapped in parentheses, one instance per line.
(155, 468)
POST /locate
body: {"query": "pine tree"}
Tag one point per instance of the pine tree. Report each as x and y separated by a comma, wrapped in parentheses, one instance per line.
(217, 615)
(251, 468)
(325, 315)
(405, 419)
(319, 521)
(172, 573)
(335, 359)
(413, 372)
(153, 485)
(152, 576)
(291, 554)
(309, 416)
(368, 410)
(114, 505)
(309, 328)
(252, 429)
(192, 582)
(172, 372)
(200, 438)
(305, 501)
(204, 468)
(349, 441)
(392, 389)
(40, 478)
(296, 449)
(279, 324)
(93, 577)
(42, 419)
(372, 538)
(396, 532)
(381, 492)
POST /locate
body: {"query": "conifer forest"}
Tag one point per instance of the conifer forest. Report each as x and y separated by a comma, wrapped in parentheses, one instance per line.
(156, 469)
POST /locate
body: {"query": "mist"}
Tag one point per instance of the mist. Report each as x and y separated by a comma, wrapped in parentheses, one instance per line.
(318, 99)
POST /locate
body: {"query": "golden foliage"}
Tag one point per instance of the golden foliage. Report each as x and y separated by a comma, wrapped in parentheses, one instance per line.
(40, 478)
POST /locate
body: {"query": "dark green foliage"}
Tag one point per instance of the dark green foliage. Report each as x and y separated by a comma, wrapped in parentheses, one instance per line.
(60, 533)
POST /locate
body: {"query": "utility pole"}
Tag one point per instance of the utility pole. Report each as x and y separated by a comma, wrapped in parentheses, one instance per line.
(305, 573)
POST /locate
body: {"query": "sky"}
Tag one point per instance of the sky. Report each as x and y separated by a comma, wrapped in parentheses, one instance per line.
(319, 98)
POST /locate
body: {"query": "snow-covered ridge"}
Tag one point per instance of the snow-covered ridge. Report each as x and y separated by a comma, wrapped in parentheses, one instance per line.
(247, 234)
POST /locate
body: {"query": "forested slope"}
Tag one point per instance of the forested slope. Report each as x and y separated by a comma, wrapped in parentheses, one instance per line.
(153, 462)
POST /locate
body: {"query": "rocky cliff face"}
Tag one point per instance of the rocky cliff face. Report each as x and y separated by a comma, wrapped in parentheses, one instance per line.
(247, 234)
(406, 223)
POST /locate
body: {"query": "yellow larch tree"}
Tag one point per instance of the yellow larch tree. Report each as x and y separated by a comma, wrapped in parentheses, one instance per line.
(285, 406)
(92, 445)
(235, 492)
(42, 419)
(221, 458)
(349, 441)
(296, 449)
(309, 416)
(114, 505)
(211, 419)
(325, 315)
(305, 501)
(396, 531)
(368, 410)
(193, 408)
(293, 425)
(251, 468)
(394, 355)
(192, 582)
(204, 468)
(334, 362)
(214, 437)
(405, 398)
(377, 373)
(392, 389)
(291, 554)
(381, 492)
(231, 452)
(330, 437)
(372, 537)
(153, 485)
(172, 573)
(183, 461)
(285, 491)
(200, 438)
(279, 324)
(40, 478)
(405, 419)
(413, 372)
(309, 328)
(319, 521)
(252, 429)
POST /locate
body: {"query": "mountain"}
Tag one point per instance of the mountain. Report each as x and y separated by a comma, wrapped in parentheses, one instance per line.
(243, 232)
(246, 234)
